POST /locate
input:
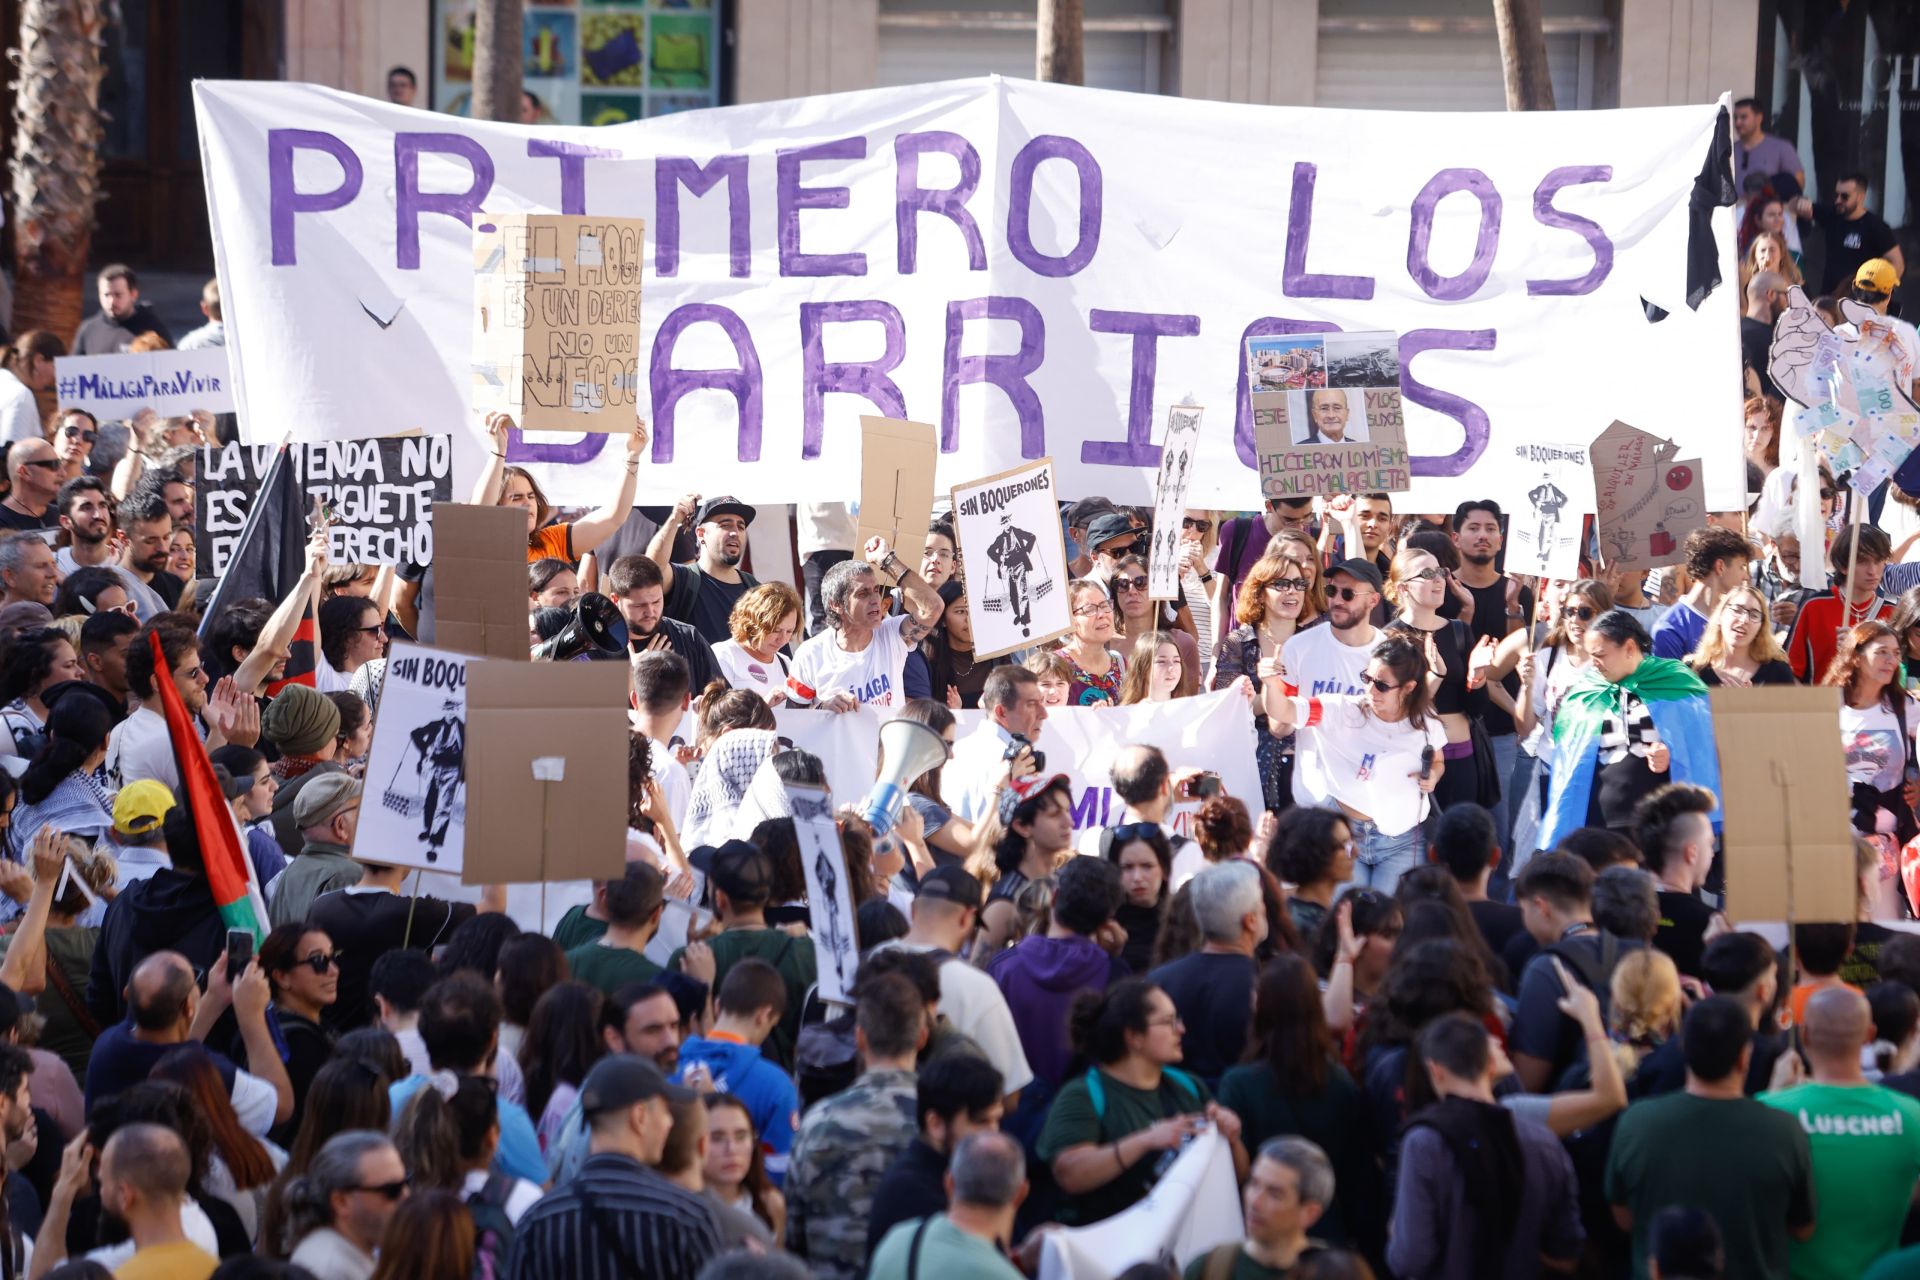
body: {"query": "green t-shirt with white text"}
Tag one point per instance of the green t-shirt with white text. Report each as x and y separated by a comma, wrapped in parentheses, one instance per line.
(1866, 1158)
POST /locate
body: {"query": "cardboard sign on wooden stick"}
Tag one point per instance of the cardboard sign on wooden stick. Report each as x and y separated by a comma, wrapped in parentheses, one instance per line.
(479, 577)
(546, 771)
(556, 320)
(1645, 500)
(1785, 799)
(897, 460)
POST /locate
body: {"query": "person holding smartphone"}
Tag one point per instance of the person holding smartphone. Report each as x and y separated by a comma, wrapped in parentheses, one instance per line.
(1147, 784)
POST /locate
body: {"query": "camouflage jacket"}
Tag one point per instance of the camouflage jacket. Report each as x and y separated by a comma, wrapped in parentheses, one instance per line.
(844, 1145)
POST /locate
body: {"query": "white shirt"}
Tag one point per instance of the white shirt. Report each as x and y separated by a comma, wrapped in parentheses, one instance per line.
(1349, 755)
(744, 671)
(254, 1102)
(822, 526)
(139, 748)
(969, 782)
(136, 862)
(146, 601)
(676, 786)
(194, 1224)
(872, 675)
(19, 411)
(1316, 664)
(1871, 738)
(972, 1001)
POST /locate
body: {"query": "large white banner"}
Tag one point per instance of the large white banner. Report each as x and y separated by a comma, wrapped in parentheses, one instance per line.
(1036, 269)
(1194, 1207)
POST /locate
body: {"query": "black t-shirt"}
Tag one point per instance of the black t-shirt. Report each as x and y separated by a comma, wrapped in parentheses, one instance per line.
(1214, 996)
(19, 521)
(1772, 671)
(168, 587)
(710, 611)
(1851, 242)
(1683, 926)
(1498, 922)
(366, 924)
(1618, 789)
(1539, 1029)
(102, 335)
(1490, 619)
(1756, 338)
(309, 1045)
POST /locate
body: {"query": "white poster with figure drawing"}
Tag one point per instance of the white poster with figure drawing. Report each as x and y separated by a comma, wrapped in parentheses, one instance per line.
(1547, 520)
(836, 940)
(415, 811)
(1177, 452)
(1016, 555)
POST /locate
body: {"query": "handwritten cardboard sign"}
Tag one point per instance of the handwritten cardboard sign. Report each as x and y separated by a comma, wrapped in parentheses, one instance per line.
(1009, 530)
(1645, 499)
(380, 494)
(556, 318)
(896, 483)
(1327, 415)
(170, 383)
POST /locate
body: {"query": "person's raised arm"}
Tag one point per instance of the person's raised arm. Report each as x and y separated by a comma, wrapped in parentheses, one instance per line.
(76, 1176)
(592, 530)
(1606, 1096)
(924, 605)
(277, 634)
(493, 476)
(1281, 710)
(25, 968)
(250, 997)
(660, 546)
(1336, 1002)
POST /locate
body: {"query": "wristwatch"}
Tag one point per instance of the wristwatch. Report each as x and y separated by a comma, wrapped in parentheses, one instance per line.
(1207, 576)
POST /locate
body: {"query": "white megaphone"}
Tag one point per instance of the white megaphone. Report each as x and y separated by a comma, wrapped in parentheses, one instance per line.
(907, 750)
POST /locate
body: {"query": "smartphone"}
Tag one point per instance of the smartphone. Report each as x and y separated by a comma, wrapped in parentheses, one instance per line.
(239, 953)
(1201, 786)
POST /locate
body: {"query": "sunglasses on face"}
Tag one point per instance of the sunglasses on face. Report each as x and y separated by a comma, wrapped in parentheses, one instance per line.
(45, 464)
(1384, 686)
(1826, 495)
(1426, 575)
(391, 1190)
(320, 962)
(1584, 612)
(1345, 593)
(373, 630)
(80, 433)
(1131, 584)
(1287, 584)
(1196, 526)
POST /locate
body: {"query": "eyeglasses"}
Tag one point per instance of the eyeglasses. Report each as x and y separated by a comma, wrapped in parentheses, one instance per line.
(1093, 610)
(1287, 584)
(127, 607)
(374, 630)
(1384, 686)
(1744, 611)
(1172, 1021)
(80, 433)
(1425, 575)
(320, 962)
(45, 464)
(1131, 584)
(1197, 526)
(1345, 593)
(391, 1190)
(1584, 612)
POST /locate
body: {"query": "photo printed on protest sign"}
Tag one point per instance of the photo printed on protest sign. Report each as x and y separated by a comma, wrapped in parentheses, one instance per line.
(378, 492)
(1177, 452)
(836, 946)
(414, 814)
(1016, 556)
(1544, 534)
(1327, 414)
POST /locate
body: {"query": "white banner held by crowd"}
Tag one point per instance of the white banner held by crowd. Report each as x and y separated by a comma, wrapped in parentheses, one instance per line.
(1545, 529)
(1177, 451)
(1001, 258)
(1194, 1206)
(171, 383)
(414, 814)
(836, 939)
(1009, 531)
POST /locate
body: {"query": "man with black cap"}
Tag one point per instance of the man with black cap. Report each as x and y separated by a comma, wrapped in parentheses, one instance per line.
(741, 877)
(1111, 536)
(704, 592)
(945, 912)
(618, 1217)
(326, 814)
(1333, 658)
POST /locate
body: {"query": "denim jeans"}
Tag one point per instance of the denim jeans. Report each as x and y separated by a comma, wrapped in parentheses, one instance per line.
(1380, 860)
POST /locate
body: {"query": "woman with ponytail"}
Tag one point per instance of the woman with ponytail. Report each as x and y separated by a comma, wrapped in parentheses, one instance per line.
(446, 1135)
(59, 788)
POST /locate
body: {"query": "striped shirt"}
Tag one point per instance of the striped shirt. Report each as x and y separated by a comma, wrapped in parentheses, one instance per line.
(616, 1219)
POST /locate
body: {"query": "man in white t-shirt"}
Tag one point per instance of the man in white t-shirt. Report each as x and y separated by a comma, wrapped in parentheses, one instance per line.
(1144, 782)
(139, 746)
(660, 694)
(85, 510)
(945, 911)
(1333, 658)
(858, 661)
(1014, 707)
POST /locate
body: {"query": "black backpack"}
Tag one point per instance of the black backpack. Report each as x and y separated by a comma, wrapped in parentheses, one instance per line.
(492, 1228)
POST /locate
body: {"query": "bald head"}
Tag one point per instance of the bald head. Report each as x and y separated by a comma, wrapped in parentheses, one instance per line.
(1139, 774)
(161, 991)
(1766, 294)
(1837, 1023)
(149, 1160)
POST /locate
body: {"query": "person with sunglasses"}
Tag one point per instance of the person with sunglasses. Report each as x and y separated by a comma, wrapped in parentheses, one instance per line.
(1548, 672)
(1377, 755)
(352, 634)
(1278, 599)
(1739, 649)
(1417, 586)
(73, 435)
(1111, 537)
(1332, 660)
(1136, 614)
(1717, 560)
(35, 475)
(1243, 541)
(340, 1208)
(304, 972)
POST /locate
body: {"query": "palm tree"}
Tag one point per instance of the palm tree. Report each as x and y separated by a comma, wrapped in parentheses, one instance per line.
(56, 158)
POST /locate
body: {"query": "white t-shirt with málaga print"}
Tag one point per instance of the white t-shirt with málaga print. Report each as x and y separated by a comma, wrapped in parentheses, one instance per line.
(872, 675)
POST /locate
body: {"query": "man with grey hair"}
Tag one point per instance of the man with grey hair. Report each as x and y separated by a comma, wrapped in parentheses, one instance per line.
(1213, 988)
(28, 570)
(1288, 1189)
(339, 1211)
(986, 1183)
(859, 660)
(1626, 903)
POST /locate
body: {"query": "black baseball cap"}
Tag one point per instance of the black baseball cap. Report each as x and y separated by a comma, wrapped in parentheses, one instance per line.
(1111, 528)
(1363, 570)
(724, 505)
(742, 871)
(950, 884)
(620, 1080)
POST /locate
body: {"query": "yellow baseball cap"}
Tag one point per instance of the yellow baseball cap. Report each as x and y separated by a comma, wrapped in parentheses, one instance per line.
(1876, 275)
(140, 807)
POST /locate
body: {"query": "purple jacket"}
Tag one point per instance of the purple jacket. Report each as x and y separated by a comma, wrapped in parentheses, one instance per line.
(1040, 977)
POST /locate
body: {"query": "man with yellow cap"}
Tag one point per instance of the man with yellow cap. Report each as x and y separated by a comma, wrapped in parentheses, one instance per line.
(140, 847)
(1889, 335)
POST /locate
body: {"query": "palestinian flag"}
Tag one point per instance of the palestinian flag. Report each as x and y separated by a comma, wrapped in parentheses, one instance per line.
(1676, 700)
(229, 870)
(268, 561)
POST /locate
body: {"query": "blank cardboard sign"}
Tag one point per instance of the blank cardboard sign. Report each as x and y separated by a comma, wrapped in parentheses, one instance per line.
(897, 459)
(526, 716)
(1785, 800)
(479, 580)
